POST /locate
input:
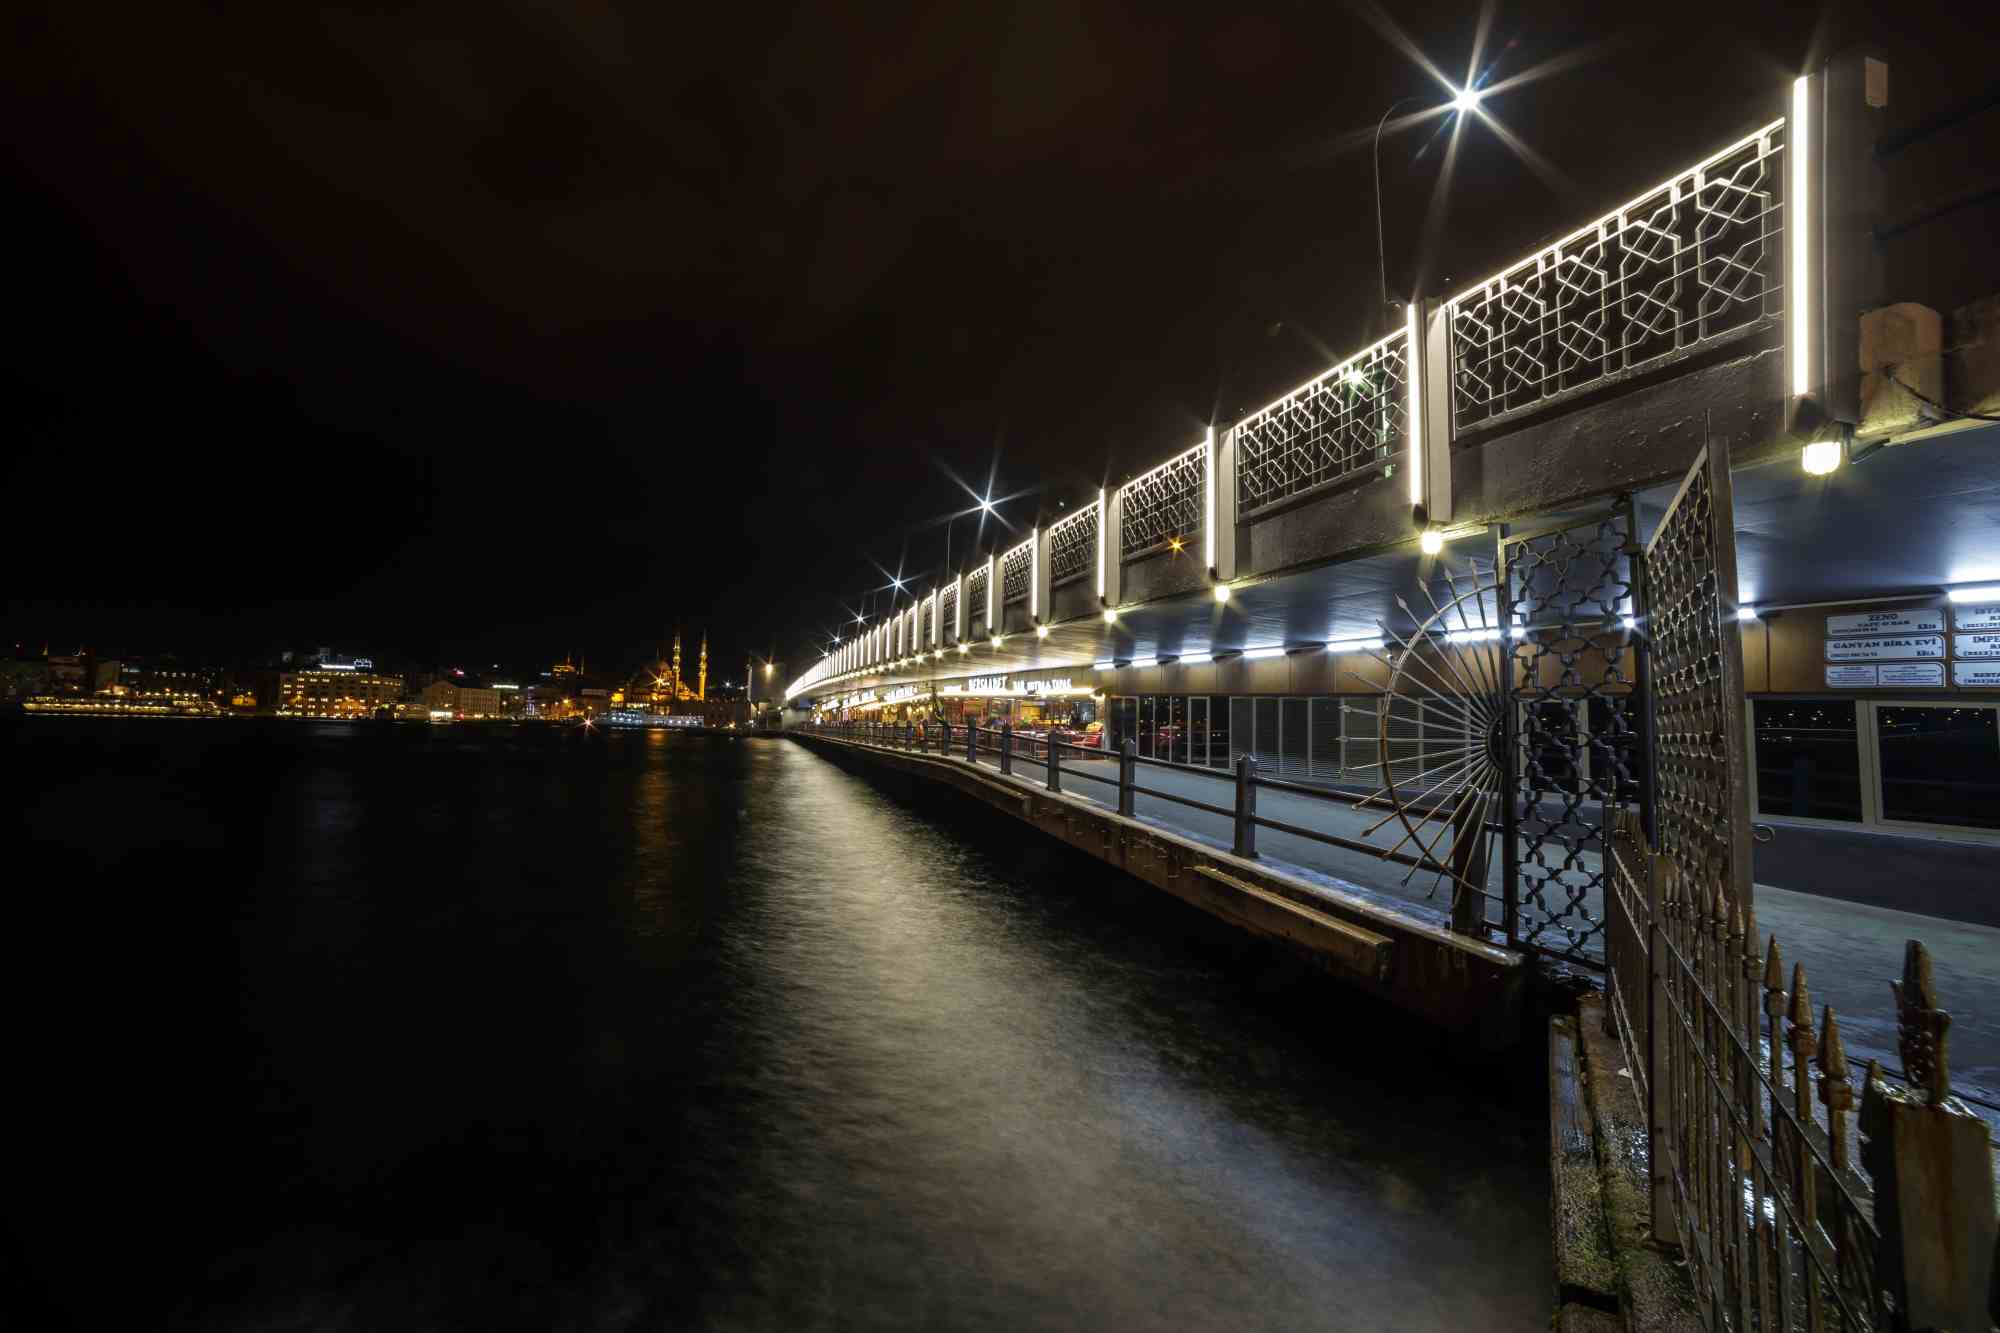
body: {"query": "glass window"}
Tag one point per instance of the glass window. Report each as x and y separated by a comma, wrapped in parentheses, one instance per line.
(1940, 765)
(1218, 731)
(1173, 729)
(1808, 758)
(1145, 728)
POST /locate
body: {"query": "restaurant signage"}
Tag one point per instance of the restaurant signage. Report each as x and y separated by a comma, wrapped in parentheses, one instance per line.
(1976, 617)
(1976, 675)
(1924, 620)
(1975, 645)
(1892, 648)
(1852, 677)
(1912, 673)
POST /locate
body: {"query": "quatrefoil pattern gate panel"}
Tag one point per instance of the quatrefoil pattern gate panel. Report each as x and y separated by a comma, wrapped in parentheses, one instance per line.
(1577, 725)
(1702, 802)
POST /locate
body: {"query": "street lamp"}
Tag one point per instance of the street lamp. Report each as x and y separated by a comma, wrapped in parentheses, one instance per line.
(1464, 102)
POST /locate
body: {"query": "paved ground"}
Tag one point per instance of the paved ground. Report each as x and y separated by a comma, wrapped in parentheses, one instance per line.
(1851, 949)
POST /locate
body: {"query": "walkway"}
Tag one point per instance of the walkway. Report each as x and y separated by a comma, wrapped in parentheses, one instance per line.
(1851, 950)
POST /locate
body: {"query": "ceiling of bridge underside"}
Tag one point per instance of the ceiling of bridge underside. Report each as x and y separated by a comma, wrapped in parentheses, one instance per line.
(1916, 517)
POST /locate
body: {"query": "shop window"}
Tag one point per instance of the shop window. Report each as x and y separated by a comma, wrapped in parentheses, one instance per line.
(1808, 758)
(1939, 764)
(1218, 731)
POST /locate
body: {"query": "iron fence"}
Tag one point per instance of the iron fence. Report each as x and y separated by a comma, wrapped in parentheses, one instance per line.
(975, 594)
(1344, 424)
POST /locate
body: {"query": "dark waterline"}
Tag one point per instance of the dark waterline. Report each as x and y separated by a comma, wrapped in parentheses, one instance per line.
(398, 1028)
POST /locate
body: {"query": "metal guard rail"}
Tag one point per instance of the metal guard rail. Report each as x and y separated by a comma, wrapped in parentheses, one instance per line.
(1008, 746)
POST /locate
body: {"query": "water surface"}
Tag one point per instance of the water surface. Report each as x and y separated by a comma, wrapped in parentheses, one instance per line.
(414, 1028)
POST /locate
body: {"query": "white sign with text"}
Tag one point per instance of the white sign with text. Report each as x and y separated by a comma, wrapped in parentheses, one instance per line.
(1852, 677)
(1912, 673)
(1976, 617)
(1924, 620)
(1896, 648)
(1975, 645)
(1976, 675)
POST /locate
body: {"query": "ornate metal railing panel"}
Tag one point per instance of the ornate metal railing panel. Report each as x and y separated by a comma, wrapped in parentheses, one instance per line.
(948, 610)
(1073, 545)
(975, 595)
(1697, 259)
(927, 630)
(1574, 721)
(1016, 568)
(1164, 506)
(1346, 423)
(1702, 810)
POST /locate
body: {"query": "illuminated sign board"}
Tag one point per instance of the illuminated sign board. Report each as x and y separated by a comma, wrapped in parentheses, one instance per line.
(1928, 620)
(1895, 648)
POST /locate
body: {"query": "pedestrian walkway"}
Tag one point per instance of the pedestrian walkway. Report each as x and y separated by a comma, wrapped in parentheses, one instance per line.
(1851, 950)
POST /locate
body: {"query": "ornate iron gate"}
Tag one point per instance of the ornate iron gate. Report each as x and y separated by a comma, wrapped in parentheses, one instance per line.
(1572, 724)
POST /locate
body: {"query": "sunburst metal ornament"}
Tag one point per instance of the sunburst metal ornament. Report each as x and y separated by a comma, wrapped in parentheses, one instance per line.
(1445, 679)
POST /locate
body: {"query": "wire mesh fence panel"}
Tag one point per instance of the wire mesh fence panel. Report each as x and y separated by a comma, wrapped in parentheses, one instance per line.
(1323, 757)
(1294, 738)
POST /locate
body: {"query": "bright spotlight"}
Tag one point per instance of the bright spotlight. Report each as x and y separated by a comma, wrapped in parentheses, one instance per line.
(1110, 615)
(1222, 592)
(1431, 542)
(1820, 457)
(1466, 100)
(996, 641)
(985, 504)
(1041, 631)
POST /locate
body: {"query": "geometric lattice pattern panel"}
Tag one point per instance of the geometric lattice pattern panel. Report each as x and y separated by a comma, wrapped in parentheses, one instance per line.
(1702, 808)
(1015, 568)
(1164, 506)
(1578, 758)
(1699, 258)
(1345, 423)
(948, 608)
(1073, 545)
(975, 596)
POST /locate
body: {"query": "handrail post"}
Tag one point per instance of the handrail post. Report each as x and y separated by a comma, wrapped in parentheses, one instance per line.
(1006, 747)
(1055, 763)
(1246, 805)
(972, 742)
(1128, 775)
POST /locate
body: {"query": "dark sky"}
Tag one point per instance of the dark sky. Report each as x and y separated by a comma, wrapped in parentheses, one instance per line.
(494, 330)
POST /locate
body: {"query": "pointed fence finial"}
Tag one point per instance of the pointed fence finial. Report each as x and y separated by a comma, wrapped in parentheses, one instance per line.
(1801, 1014)
(1835, 1092)
(1921, 1026)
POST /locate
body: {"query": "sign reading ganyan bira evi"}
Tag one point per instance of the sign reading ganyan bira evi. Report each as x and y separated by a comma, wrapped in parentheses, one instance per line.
(1886, 648)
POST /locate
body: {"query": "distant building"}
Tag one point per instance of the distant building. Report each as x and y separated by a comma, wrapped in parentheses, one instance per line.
(336, 692)
(463, 701)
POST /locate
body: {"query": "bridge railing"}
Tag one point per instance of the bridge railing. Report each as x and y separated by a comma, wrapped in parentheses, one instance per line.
(1697, 259)
(1338, 426)
(1050, 759)
(1165, 505)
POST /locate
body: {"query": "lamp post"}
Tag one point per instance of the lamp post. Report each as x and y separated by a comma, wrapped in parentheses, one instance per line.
(1381, 249)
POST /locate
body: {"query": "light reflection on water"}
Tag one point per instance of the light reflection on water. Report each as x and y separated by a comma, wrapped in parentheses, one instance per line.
(516, 1030)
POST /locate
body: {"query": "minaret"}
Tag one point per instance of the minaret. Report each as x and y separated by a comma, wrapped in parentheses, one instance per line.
(677, 664)
(701, 681)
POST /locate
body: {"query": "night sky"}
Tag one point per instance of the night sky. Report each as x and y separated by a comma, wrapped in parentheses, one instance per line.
(493, 331)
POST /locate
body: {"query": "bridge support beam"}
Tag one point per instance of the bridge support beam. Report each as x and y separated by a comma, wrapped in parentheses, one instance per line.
(1224, 517)
(1112, 533)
